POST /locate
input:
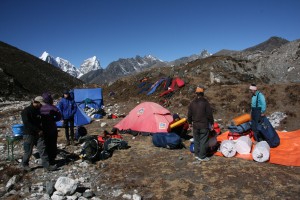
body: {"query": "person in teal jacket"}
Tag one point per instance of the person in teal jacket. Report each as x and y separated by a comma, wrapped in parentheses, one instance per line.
(258, 109)
(68, 108)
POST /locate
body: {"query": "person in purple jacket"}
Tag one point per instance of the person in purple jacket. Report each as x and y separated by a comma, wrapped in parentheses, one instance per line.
(50, 114)
(68, 108)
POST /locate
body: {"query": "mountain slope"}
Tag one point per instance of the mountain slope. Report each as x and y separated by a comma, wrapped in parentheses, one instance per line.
(22, 74)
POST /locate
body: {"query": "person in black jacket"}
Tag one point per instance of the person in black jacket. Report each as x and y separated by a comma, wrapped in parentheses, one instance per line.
(200, 116)
(33, 135)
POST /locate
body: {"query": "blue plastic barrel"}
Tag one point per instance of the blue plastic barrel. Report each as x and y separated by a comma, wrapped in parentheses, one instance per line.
(17, 129)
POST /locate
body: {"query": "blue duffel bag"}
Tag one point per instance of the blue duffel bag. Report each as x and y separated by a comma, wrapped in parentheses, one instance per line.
(242, 128)
(268, 132)
(167, 140)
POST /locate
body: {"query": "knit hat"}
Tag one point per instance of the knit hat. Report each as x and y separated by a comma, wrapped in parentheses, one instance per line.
(47, 98)
(66, 92)
(199, 89)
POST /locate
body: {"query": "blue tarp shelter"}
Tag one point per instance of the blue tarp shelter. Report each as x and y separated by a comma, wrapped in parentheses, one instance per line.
(90, 97)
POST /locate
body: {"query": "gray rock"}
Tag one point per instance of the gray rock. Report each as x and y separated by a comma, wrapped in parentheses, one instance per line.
(66, 185)
(49, 187)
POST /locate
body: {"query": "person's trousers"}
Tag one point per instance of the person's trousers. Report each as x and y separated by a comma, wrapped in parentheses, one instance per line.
(200, 142)
(69, 124)
(29, 142)
(255, 120)
(51, 146)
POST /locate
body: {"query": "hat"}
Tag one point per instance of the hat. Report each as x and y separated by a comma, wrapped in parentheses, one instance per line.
(199, 89)
(253, 87)
(175, 116)
(39, 99)
(66, 92)
(47, 97)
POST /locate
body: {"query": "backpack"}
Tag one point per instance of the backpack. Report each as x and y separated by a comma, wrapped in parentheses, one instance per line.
(112, 144)
(268, 132)
(167, 140)
(91, 148)
(80, 132)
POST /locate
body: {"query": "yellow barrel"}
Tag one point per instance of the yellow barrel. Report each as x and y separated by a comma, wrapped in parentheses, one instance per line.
(178, 123)
(241, 119)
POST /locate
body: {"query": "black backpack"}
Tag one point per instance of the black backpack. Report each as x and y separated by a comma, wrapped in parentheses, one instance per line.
(110, 145)
(91, 149)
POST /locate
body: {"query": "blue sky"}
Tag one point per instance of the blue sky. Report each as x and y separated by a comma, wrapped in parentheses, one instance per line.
(168, 29)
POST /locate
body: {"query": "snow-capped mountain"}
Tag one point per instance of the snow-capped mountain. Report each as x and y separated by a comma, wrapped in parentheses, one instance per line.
(90, 64)
(49, 59)
(66, 66)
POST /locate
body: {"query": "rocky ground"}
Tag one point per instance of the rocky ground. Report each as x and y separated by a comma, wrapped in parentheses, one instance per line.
(144, 171)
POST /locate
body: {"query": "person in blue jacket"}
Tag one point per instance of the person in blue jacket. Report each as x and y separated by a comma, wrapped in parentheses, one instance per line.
(258, 109)
(68, 108)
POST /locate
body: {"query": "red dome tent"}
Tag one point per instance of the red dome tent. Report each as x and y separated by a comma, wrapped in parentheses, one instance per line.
(146, 117)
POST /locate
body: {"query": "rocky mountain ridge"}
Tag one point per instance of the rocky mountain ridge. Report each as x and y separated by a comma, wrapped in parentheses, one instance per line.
(129, 66)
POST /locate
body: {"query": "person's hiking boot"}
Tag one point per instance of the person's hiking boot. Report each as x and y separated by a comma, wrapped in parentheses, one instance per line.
(26, 168)
(204, 159)
(51, 168)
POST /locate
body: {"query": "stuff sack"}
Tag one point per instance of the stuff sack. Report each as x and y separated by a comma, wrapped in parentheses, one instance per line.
(268, 132)
(240, 128)
(91, 149)
(167, 140)
(80, 132)
(112, 144)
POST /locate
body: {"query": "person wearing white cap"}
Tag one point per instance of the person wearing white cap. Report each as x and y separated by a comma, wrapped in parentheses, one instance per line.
(33, 135)
(258, 109)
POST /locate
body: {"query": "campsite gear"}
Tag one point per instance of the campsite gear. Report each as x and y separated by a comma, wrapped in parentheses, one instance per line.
(244, 127)
(17, 129)
(212, 142)
(112, 144)
(91, 148)
(12, 141)
(217, 128)
(268, 132)
(235, 135)
(241, 119)
(287, 153)
(147, 117)
(95, 94)
(167, 140)
(228, 148)
(178, 123)
(243, 145)
(261, 152)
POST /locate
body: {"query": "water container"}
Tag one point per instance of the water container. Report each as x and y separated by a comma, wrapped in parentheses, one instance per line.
(243, 145)
(261, 152)
(228, 148)
(17, 129)
(192, 147)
